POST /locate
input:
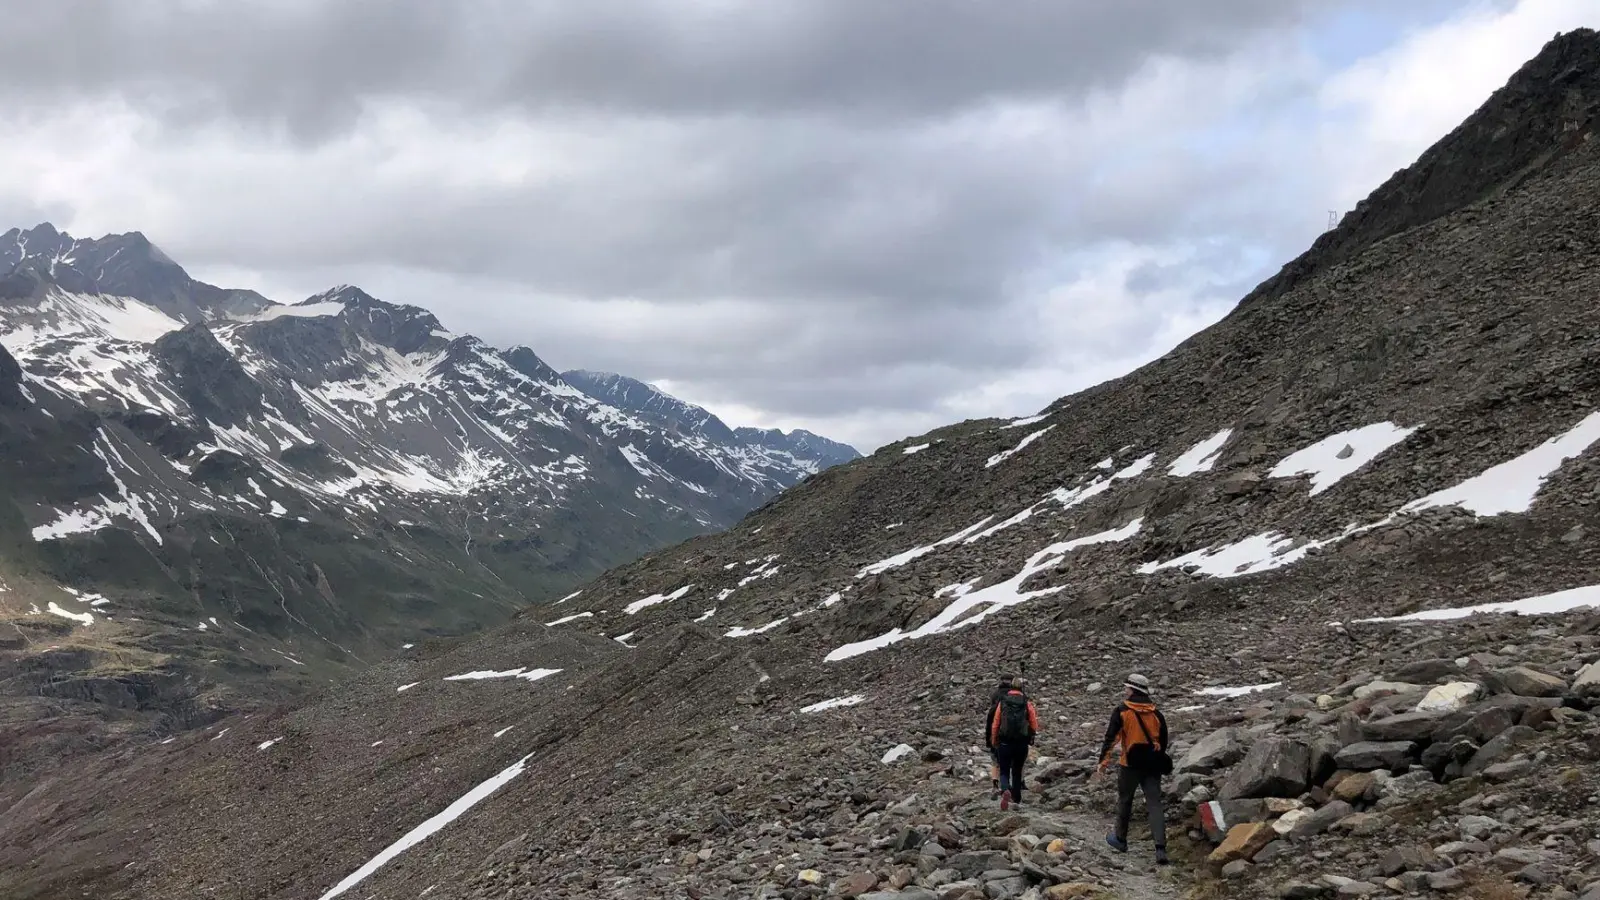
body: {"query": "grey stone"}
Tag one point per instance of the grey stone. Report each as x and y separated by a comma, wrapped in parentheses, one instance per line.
(1526, 682)
(1478, 827)
(1320, 820)
(1217, 750)
(1412, 726)
(972, 862)
(1368, 755)
(1236, 869)
(1274, 767)
(1498, 749)
(1515, 857)
(1587, 683)
(1408, 859)
(1501, 772)
(1005, 888)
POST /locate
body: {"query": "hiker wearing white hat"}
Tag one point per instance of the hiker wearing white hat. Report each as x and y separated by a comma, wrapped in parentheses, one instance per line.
(1141, 731)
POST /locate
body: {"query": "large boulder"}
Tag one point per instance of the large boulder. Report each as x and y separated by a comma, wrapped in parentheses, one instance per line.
(1320, 820)
(1244, 841)
(1498, 749)
(1369, 755)
(1482, 721)
(1425, 671)
(969, 864)
(1526, 682)
(1324, 762)
(1217, 750)
(1411, 726)
(1382, 688)
(1447, 698)
(1587, 684)
(1274, 767)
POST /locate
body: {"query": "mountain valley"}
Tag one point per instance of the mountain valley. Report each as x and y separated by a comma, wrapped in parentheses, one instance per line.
(1349, 532)
(210, 502)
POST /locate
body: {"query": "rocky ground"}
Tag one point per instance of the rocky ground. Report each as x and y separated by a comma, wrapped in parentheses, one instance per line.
(688, 768)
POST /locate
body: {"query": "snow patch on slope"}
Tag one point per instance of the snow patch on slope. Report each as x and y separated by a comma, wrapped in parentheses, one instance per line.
(1587, 596)
(1512, 485)
(307, 310)
(92, 518)
(835, 703)
(900, 559)
(1337, 455)
(522, 672)
(1509, 487)
(62, 314)
(83, 618)
(421, 832)
(572, 618)
(1004, 455)
(981, 603)
(1201, 457)
(738, 632)
(654, 599)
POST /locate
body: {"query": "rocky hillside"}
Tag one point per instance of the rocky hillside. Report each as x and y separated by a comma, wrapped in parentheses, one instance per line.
(209, 500)
(1348, 532)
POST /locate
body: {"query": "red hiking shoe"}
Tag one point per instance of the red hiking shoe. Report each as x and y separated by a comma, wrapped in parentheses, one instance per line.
(1005, 800)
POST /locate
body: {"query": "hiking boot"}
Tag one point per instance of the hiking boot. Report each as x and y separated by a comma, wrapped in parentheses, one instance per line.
(1116, 843)
(1005, 800)
(1161, 856)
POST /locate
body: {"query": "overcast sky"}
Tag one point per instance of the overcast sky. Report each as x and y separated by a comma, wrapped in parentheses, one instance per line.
(864, 217)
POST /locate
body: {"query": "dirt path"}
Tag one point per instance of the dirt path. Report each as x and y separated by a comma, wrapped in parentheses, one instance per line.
(1132, 875)
(1129, 876)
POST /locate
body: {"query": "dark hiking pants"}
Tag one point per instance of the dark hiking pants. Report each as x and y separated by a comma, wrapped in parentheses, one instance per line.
(1129, 781)
(1010, 758)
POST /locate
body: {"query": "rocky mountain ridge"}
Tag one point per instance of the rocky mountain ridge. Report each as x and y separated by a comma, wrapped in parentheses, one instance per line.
(1348, 532)
(210, 499)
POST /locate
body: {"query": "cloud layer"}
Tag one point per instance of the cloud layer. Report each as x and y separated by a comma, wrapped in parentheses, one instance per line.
(837, 214)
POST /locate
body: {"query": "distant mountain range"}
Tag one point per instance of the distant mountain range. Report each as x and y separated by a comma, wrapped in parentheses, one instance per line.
(213, 489)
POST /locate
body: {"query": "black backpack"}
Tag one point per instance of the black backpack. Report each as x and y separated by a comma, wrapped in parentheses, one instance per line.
(1014, 726)
(1144, 757)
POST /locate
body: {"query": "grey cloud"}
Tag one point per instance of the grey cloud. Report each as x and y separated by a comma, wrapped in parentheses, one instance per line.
(849, 218)
(820, 215)
(830, 209)
(1210, 271)
(312, 64)
(801, 359)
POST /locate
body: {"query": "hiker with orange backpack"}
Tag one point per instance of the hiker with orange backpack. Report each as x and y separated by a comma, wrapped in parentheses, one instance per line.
(1141, 731)
(1012, 726)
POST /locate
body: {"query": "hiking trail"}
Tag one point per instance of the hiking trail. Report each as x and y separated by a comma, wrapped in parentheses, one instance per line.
(1123, 876)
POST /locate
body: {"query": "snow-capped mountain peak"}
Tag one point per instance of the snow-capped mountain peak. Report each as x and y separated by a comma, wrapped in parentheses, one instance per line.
(330, 474)
(124, 265)
(342, 406)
